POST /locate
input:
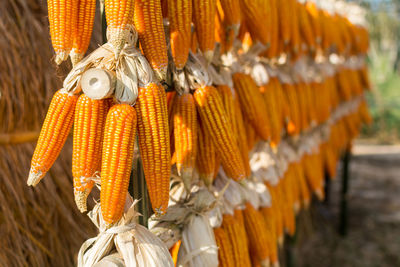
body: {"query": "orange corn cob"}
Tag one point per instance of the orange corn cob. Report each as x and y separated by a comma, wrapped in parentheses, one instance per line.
(185, 131)
(284, 14)
(194, 44)
(117, 156)
(305, 26)
(180, 19)
(119, 16)
(149, 25)
(235, 231)
(83, 29)
(270, 99)
(269, 218)
(154, 143)
(256, 232)
(203, 18)
(206, 156)
(174, 250)
(252, 104)
(54, 133)
(292, 100)
(62, 19)
(210, 107)
(241, 136)
(225, 251)
(251, 135)
(258, 21)
(272, 51)
(302, 184)
(314, 15)
(89, 121)
(232, 14)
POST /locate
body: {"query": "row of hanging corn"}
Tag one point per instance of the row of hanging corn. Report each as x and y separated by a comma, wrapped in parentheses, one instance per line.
(248, 81)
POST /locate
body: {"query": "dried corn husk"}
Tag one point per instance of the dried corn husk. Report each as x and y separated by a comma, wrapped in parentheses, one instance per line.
(136, 245)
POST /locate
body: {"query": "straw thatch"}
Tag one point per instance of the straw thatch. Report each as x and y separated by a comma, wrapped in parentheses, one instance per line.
(38, 226)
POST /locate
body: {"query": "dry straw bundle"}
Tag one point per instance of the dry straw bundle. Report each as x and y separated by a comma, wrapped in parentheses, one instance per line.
(40, 227)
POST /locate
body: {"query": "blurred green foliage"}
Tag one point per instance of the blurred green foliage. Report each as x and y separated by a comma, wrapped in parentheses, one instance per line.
(384, 59)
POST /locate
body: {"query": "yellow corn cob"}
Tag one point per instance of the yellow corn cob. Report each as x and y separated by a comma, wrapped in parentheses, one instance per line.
(62, 19)
(272, 51)
(241, 136)
(252, 104)
(154, 143)
(219, 32)
(149, 25)
(185, 132)
(314, 15)
(295, 40)
(210, 107)
(54, 133)
(90, 116)
(268, 92)
(83, 29)
(206, 155)
(225, 251)
(256, 233)
(302, 184)
(119, 16)
(203, 18)
(237, 237)
(269, 218)
(284, 14)
(285, 194)
(277, 206)
(292, 100)
(194, 44)
(117, 156)
(258, 21)
(174, 250)
(251, 135)
(305, 26)
(232, 14)
(229, 106)
(180, 18)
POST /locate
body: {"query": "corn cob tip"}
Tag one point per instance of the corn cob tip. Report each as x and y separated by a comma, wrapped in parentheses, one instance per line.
(264, 263)
(208, 55)
(34, 178)
(80, 200)
(61, 56)
(75, 57)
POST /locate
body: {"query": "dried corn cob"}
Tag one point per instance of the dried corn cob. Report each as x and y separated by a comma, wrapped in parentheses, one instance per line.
(237, 237)
(284, 14)
(154, 143)
(256, 233)
(203, 18)
(241, 136)
(305, 26)
(314, 15)
(117, 156)
(62, 18)
(180, 18)
(185, 132)
(232, 108)
(54, 133)
(149, 25)
(90, 117)
(174, 250)
(232, 14)
(252, 104)
(225, 251)
(269, 218)
(119, 16)
(83, 29)
(210, 107)
(206, 156)
(258, 21)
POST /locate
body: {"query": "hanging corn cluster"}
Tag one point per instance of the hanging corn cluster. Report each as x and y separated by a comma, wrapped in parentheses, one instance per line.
(263, 97)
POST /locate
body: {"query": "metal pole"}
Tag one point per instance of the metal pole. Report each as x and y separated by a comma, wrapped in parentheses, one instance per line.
(344, 193)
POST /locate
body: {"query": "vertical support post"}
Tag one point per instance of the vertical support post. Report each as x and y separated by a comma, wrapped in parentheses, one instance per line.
(103, 22)
(327, 189)
(344, 193)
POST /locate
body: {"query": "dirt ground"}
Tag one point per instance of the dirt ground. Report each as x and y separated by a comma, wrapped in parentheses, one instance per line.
(373, 237)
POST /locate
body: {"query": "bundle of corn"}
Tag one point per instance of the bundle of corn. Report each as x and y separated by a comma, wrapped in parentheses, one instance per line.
(272, 119)
(26, 87)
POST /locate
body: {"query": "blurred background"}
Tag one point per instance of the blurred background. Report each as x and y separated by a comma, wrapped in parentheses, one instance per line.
(33, 223)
